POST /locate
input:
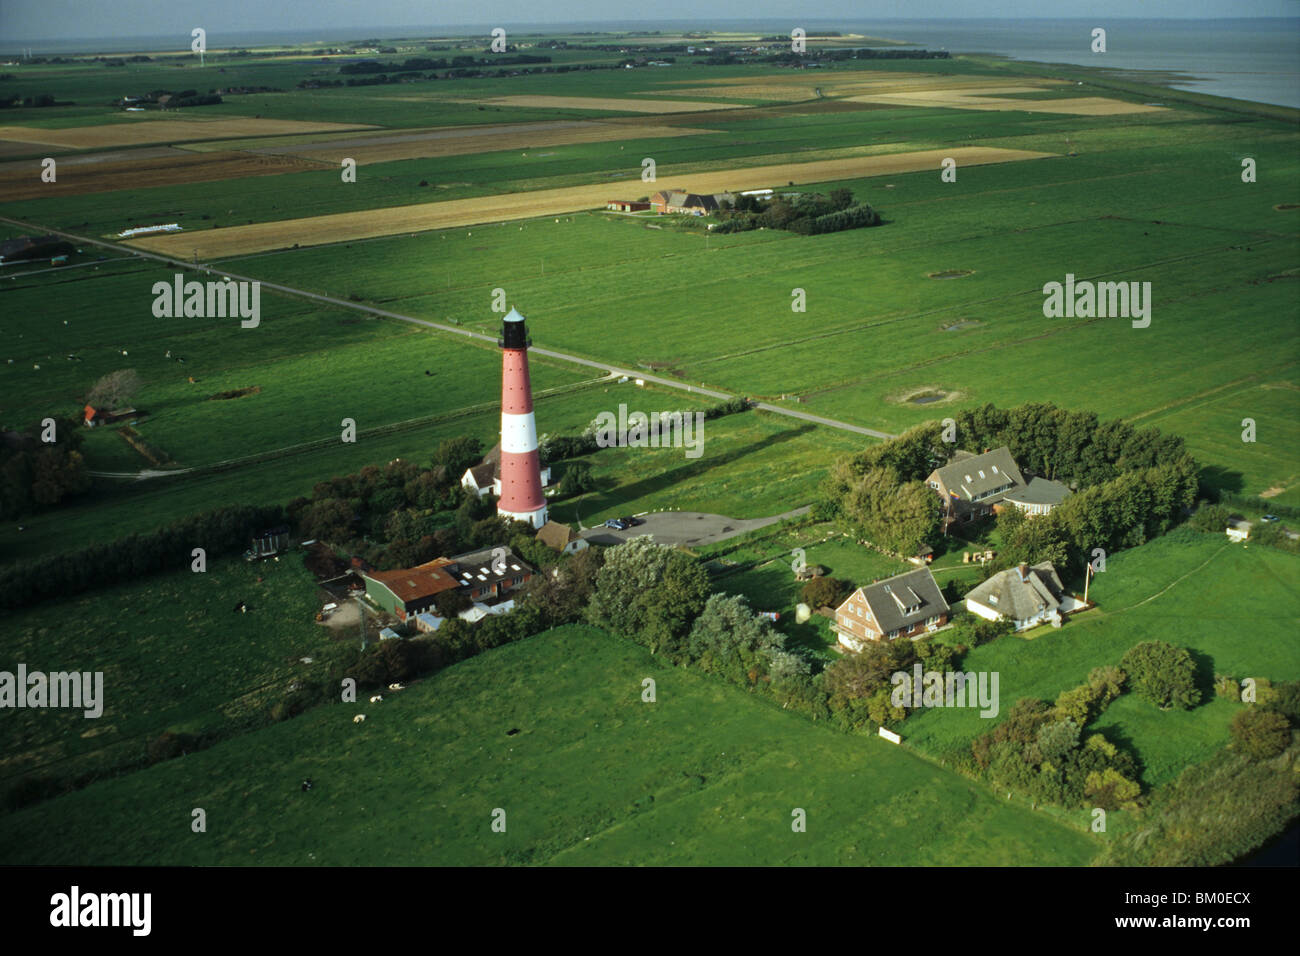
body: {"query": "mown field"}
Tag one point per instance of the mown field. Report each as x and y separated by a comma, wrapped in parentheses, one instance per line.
(703, 776)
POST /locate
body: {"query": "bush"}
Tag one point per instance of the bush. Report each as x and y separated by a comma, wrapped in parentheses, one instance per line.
(1163, 674)
(823, 592)
(1211, 518)
(1260, 734)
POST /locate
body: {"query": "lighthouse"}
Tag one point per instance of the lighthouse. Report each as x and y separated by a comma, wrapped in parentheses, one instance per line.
(521, 473)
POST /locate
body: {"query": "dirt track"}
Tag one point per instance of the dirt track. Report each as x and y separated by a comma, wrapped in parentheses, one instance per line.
(340, 227)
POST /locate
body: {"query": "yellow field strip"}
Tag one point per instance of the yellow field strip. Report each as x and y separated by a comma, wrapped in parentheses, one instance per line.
(370, 223)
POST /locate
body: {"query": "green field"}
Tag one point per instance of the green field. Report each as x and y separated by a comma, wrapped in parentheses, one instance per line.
(175, 657)
(592, 776)
(1191, 590)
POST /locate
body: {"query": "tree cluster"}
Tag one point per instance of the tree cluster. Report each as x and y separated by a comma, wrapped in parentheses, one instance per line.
(34, 474)
(222, 531)
(809, 214)
(1040, 750)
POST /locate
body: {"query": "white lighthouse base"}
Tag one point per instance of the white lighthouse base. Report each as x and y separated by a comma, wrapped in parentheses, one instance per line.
(535, 518)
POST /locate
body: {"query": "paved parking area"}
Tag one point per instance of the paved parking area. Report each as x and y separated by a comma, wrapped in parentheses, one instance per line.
(690, 528)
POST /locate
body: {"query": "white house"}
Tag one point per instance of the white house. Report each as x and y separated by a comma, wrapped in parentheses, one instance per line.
(485, 477)
(1024, 595)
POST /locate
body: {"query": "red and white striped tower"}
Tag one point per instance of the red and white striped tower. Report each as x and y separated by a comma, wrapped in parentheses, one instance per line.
(521, 471)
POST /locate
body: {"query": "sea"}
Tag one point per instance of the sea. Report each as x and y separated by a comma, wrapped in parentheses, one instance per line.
(1254, 59)
(1248, 59)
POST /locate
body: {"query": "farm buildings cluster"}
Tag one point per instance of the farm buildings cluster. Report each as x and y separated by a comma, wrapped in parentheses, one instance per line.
(675, 201)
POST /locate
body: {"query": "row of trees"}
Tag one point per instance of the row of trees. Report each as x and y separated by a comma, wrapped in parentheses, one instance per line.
(1133, 484)
(402, 514)
(809, 214)
(1073, 447)
(169, 548)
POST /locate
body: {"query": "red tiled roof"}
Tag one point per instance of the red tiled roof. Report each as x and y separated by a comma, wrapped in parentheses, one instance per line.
(411, 584)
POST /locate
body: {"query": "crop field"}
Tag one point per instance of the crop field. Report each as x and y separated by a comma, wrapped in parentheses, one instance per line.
(135, 132)
(615, 105)
(259, 237)
(77, 179)
(459, 141)
(706, 775)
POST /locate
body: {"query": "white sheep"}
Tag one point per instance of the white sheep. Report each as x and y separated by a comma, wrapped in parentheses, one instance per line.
(376, 699)
(396, 687)
(358, 718)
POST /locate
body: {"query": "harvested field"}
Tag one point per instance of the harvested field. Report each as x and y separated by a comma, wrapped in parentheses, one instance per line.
(854, 84)
(341, 227)
(10, 148)
(461, 141)
(603, 103)
(987, 99)
(17, 181)
(138, 130)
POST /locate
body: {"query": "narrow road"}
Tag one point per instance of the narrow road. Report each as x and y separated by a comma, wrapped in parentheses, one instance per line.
(441, 327)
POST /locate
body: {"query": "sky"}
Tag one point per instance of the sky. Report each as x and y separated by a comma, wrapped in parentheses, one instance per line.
(76, 19)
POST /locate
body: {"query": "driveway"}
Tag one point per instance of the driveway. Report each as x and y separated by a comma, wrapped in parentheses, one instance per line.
(690, 528)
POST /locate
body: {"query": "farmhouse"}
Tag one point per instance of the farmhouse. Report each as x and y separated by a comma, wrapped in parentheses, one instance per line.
(479, 575)
(970, 485)
(906, 605)
(682, 201)
(1024, 595)
(627, 205)
(560, 537)
(92, 416)
(485, 477)
(408, 592)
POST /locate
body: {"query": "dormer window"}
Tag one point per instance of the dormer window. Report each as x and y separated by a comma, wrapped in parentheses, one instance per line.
(993, 599)
(995, 469)
(981, 473)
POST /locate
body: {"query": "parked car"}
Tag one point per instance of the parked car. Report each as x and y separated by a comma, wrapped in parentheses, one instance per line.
(632, 522)
(618, 524)
(1269, 518)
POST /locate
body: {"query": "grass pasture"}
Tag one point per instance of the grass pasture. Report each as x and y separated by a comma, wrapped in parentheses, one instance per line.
(702, 776)
(174, 656)
(1191, 590)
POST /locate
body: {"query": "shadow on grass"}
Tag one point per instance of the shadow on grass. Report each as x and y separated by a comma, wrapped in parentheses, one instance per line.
(619, 495)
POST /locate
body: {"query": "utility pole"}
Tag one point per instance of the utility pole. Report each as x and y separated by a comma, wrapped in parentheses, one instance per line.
(1087, 577)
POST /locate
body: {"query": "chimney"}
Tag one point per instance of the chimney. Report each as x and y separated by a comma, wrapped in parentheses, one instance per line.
(521, 473)
(1024, 571)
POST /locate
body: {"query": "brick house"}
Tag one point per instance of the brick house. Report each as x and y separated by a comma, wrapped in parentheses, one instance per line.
(906, 605)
